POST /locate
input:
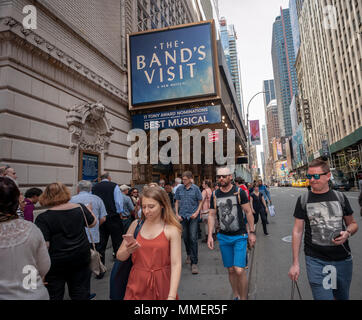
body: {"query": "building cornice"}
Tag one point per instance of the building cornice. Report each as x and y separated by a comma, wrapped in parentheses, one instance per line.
(11, 29)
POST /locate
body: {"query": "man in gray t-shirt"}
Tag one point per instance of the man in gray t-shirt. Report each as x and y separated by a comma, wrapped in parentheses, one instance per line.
(128, 207)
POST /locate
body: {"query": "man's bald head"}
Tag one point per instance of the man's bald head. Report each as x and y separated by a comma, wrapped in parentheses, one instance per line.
(223, 171)
(224, 177)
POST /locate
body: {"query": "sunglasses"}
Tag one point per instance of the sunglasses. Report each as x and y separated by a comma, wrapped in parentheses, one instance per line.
(316, 176)
(222, 176)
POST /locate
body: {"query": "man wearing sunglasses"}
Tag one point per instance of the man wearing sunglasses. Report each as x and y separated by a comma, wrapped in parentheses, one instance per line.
(326, 217)
(228, 203)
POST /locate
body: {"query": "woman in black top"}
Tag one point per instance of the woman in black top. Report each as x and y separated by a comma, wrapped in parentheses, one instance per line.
(258, 206)
(63, 228)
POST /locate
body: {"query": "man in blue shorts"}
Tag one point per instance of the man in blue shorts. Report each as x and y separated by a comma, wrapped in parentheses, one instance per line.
(230, 202)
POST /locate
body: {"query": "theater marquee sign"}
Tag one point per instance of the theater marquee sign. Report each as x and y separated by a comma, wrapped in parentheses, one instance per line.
(177, 118)
(173, 65)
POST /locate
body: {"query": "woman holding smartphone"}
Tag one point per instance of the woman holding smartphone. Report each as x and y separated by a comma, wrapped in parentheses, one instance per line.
(156, 252)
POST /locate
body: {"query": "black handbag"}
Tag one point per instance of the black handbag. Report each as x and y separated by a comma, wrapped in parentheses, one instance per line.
(120, 273)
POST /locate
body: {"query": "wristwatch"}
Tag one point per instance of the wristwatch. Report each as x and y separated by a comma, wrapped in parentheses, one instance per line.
(252, 232)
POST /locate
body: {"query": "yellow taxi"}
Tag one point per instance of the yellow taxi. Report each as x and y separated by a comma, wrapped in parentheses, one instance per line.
(302, 183)
(307, 183)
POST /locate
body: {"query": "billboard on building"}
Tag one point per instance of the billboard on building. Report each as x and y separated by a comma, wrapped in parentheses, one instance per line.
(299, 158)
(254, 132)
(279, 149)
(173, 65)
(282, 169)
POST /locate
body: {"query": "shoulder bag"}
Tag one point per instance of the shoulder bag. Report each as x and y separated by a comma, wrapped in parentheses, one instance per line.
(96, 264)
(120, 273)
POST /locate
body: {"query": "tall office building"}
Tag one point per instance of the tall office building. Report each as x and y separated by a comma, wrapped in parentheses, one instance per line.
(154, 14)
(295, 8)
(262, 159)
(284, 71)
(228, 40)
(329, 67)
(272, 119)
(210, 8)
(265, 153)
(265, 141)
(269, 89)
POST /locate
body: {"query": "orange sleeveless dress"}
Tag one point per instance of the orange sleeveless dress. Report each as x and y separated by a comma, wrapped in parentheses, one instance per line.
(150, 275)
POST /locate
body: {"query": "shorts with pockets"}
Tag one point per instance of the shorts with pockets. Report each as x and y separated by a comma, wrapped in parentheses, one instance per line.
(233, 250)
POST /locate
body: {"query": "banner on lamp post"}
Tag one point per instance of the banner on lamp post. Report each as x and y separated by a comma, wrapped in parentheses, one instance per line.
(254, 132)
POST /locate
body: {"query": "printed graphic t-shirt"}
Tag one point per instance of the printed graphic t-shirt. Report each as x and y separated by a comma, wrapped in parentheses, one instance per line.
(323, 218)
(229, 212)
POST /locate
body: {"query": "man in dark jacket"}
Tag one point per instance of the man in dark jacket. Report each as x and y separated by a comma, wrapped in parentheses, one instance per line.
(112, 197)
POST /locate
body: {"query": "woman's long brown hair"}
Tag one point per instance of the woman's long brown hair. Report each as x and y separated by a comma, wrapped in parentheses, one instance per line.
(160, 195)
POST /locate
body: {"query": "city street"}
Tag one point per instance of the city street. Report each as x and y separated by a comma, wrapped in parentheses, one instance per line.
(270, 264)
(273, 256)
(154, 109)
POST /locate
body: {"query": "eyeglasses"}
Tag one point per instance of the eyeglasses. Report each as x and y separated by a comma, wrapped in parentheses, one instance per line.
(316, 176)
(224, 176)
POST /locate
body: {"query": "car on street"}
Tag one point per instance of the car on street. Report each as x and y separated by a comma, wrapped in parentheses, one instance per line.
(288, 183)
(304, 183)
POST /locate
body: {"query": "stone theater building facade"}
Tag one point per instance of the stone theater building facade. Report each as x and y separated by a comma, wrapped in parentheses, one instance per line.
(64, 112)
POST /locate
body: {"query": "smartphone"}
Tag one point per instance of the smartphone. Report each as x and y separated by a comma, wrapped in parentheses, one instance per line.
(129, 237)
(336, 234)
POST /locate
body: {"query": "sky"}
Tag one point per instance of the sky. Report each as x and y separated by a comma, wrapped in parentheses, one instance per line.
(253, 21)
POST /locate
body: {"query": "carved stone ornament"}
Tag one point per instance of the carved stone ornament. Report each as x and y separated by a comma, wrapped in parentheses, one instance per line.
(89, 128)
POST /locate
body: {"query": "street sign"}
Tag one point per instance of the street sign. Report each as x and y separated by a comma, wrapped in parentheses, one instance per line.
(325, 148)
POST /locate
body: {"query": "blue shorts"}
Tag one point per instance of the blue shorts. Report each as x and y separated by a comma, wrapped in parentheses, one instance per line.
(233, 250)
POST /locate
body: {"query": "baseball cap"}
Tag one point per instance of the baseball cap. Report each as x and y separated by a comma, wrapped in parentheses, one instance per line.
(124, 187)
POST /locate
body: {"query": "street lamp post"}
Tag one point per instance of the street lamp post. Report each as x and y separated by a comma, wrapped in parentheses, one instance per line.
(247, 123)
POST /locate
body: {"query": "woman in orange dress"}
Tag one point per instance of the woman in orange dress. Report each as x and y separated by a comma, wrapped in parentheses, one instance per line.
(156, 253)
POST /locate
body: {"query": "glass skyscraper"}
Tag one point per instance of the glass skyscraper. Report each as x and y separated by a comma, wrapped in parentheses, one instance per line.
(285, 77)
(295, 7)
(269, 89)
(228, 40)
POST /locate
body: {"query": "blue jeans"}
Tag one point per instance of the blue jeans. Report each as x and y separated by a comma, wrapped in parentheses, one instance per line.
(322, 284)
(189, 235)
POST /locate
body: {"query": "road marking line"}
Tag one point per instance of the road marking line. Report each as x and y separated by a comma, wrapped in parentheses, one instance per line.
(287, 239)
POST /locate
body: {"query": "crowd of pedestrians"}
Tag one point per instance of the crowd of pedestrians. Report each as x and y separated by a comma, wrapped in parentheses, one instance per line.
(149, 224)
(168, 212)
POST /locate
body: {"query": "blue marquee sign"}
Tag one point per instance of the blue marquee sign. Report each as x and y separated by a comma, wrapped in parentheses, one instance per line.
(177, 118)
